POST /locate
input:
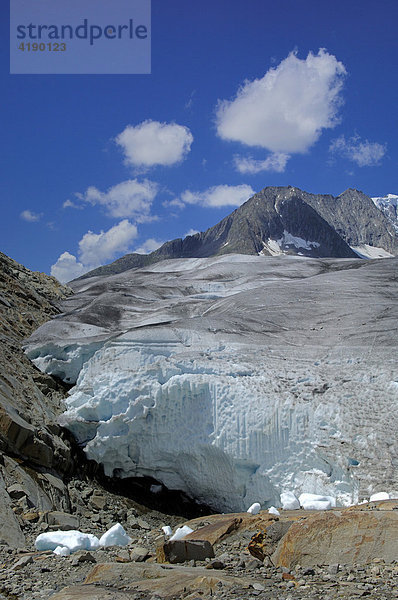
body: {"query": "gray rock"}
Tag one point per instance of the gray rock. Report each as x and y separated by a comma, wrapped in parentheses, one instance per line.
(143, 524)
(123, 556)
(333, 569)
(139, 554)
(11, 532)
(98, 501)
(22, 562)
(63, 521)
(216, 564)
(16, 491)
(83, 557)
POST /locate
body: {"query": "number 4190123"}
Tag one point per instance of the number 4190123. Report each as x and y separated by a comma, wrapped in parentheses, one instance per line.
(42, 47)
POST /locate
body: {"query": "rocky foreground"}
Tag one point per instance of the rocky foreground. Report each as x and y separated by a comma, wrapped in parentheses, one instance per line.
(349, 553)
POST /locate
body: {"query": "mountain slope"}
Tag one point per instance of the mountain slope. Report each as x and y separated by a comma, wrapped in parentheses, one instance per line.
(389, 206)
(281, 220)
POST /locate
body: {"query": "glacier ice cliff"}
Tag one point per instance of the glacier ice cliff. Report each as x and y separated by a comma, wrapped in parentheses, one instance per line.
(234, 378)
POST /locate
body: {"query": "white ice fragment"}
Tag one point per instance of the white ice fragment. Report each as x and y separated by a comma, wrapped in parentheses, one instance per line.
(156, 489)
(379, 496)
(167, 530)
(73, 540)
(317, 502)
(274, 511)
(289, 501)
(181, 533)
(254, 509)
(61, 551)
(115, 536)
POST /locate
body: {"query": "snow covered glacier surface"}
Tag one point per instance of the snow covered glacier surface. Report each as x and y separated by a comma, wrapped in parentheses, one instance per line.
(234, 378)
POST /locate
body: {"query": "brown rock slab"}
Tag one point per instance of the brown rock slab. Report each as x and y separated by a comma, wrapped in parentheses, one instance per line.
(164, 581)
(198, 545)
(90, 592)
(216, 531)
(340, 537)
(179, 551)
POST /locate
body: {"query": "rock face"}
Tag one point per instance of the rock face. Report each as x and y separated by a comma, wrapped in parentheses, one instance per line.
(389, 205)
(234, 378)
(29, 400)
(284, 220)
(351, 537)
(34, 453)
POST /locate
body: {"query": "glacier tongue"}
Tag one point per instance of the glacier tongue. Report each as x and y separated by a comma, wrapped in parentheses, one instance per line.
(234, 379)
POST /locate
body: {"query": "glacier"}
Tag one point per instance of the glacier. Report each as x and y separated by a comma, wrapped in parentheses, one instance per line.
(236, 378)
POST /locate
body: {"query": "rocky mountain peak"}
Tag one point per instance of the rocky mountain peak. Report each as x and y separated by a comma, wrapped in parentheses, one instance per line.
(283, 220)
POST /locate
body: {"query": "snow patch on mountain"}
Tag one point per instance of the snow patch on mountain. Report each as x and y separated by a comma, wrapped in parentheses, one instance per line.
(389, 206)
(366, 251)
(285, 243)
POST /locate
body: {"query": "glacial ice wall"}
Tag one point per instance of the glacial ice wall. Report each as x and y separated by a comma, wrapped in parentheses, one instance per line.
(235, 379)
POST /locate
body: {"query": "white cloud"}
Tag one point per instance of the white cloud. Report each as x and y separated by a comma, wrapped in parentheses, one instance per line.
(31, 217)
(95, 249)
(148, 246)
(67, 268)
(286, 110)
(363, 153)
(219, 195)
(69, 204)
(152, 143)
(190, 232)
(131, 198)
(176, 203)
(275, 162)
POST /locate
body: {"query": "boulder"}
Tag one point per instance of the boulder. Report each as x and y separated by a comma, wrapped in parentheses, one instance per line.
(339, 537)
(178, 551)
(139, 554)
(62, 520)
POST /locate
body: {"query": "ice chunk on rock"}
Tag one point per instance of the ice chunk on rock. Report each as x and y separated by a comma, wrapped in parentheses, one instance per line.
(167, 530)
(254, 509)
(115, 536)
(73, 540)
(274, 511)
(181, 533)
(317, 502)
(289, 501)
(61, 551)
(379, 496)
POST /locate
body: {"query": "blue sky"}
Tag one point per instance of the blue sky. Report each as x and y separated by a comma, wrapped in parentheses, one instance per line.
(243, 94)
